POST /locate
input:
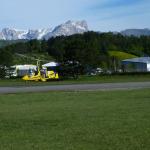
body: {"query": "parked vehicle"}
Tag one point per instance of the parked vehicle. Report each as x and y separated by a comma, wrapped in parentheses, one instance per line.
(20, 70)
(41, 74)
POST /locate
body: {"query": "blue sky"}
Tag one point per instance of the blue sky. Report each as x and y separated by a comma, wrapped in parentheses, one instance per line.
(101, 15)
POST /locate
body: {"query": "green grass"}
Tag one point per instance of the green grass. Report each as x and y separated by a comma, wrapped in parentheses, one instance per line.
(31, 58)
(81, 80)
(121, 55)
(114, 120)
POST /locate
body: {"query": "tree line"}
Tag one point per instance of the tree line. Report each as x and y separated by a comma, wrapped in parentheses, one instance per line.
(89, 49)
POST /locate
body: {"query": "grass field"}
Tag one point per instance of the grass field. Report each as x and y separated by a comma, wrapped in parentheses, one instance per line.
(121, 55)
(81, 80)
(112, 120)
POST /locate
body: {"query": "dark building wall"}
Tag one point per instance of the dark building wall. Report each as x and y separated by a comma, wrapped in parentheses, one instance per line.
(134, 67)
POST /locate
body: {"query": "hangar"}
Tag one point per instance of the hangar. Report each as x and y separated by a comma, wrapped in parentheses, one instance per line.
(139, 64)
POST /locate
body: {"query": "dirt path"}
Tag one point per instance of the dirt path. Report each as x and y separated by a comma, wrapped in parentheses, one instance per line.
(76, 87)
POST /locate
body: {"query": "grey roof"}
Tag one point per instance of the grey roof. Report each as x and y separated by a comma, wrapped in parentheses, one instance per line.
(138, 59)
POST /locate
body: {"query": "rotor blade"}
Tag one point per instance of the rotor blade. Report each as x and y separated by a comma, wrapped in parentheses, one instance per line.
(32, 58)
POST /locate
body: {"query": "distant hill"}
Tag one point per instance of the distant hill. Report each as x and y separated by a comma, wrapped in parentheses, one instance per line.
(136, 32)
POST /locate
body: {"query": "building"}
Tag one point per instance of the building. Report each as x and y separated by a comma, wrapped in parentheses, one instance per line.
(140, 64)
(51, 66)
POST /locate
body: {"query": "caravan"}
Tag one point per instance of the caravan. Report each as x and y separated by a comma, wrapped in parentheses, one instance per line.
(21, 70)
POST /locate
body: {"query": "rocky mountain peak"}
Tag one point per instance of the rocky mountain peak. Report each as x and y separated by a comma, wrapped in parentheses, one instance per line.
(66, 29)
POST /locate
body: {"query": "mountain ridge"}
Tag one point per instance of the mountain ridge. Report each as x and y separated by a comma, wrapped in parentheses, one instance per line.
(66, 29)
(136, 32)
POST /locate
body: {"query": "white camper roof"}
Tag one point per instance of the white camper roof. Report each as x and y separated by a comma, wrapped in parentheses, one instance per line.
(24, 67)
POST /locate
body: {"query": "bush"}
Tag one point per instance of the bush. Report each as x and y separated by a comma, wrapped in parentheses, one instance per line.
(2, 72)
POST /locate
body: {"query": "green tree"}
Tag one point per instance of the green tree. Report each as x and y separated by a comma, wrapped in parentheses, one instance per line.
(6, 57)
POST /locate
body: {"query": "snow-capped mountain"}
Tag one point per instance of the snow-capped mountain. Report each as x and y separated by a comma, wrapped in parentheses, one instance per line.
(37, 34)
(12, 34)
(66, 29)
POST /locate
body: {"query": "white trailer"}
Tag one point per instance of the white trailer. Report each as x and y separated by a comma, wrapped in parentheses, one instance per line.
(22, 70)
